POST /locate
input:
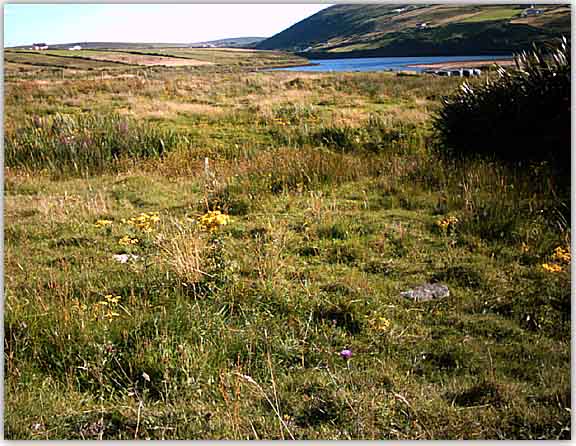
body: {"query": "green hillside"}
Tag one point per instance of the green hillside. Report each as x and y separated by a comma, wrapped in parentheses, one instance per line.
(233, 42)
(420, 30)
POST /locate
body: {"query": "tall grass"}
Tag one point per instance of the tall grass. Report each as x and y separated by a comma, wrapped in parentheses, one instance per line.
(84, 144)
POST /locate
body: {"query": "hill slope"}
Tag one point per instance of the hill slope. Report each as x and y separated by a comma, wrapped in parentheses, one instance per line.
(413, 30)
(108, 45)
(233, 42)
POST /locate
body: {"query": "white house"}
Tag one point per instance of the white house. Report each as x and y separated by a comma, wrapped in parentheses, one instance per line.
(75, 48)
(39, 46)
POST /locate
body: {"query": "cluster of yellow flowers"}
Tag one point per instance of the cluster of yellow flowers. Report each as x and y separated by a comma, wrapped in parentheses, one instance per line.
(560, 258)
(379, 323)
(552, 267)
(212, 220)
(127, 241)
(102, 223)
(281, 121)
(447, 223)
(562, 255)
(145, 221)
(107, 308)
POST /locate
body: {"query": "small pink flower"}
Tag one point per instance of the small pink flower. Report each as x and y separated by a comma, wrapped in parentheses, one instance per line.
(346, 354)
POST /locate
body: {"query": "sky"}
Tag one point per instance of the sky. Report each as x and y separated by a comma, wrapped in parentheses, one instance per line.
(25, 24)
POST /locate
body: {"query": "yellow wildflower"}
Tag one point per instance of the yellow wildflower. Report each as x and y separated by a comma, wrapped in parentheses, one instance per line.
(562, 255)
(107, 308)
(102, 223)
(126, 241)
(112, 300)
(448, 223)
(212, 220)
(144, 221)
(379, 323)
(552, 267)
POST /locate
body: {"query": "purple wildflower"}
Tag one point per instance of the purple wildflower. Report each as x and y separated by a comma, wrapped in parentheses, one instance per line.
(346, 354)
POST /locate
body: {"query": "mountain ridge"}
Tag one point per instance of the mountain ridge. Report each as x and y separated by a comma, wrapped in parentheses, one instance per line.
(421, 30)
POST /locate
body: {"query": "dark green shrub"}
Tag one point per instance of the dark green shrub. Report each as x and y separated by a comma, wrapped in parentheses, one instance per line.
(522, 115)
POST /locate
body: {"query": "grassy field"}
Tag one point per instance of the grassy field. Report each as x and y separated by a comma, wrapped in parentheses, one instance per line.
(87, 63)
(134, 310)
(496, 14)
(37, 58)
(229, 57)
(125, 57)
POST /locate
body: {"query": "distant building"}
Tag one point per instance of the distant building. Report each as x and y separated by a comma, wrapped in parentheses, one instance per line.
(39, 46)
(459, 72)
(75, 48)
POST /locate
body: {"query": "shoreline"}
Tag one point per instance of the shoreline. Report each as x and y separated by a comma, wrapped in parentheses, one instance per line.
(463, 64)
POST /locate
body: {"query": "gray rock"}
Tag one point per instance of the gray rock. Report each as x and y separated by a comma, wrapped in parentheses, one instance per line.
(428, 291)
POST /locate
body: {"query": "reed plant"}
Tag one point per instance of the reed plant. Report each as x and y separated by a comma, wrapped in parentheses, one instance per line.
(84, 144)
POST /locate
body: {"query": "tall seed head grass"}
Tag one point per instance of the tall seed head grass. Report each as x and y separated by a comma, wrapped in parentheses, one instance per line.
(185, 251)
(83, 144)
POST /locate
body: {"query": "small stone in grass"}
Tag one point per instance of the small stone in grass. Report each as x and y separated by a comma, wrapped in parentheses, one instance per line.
(427, 291)
(124, 258)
